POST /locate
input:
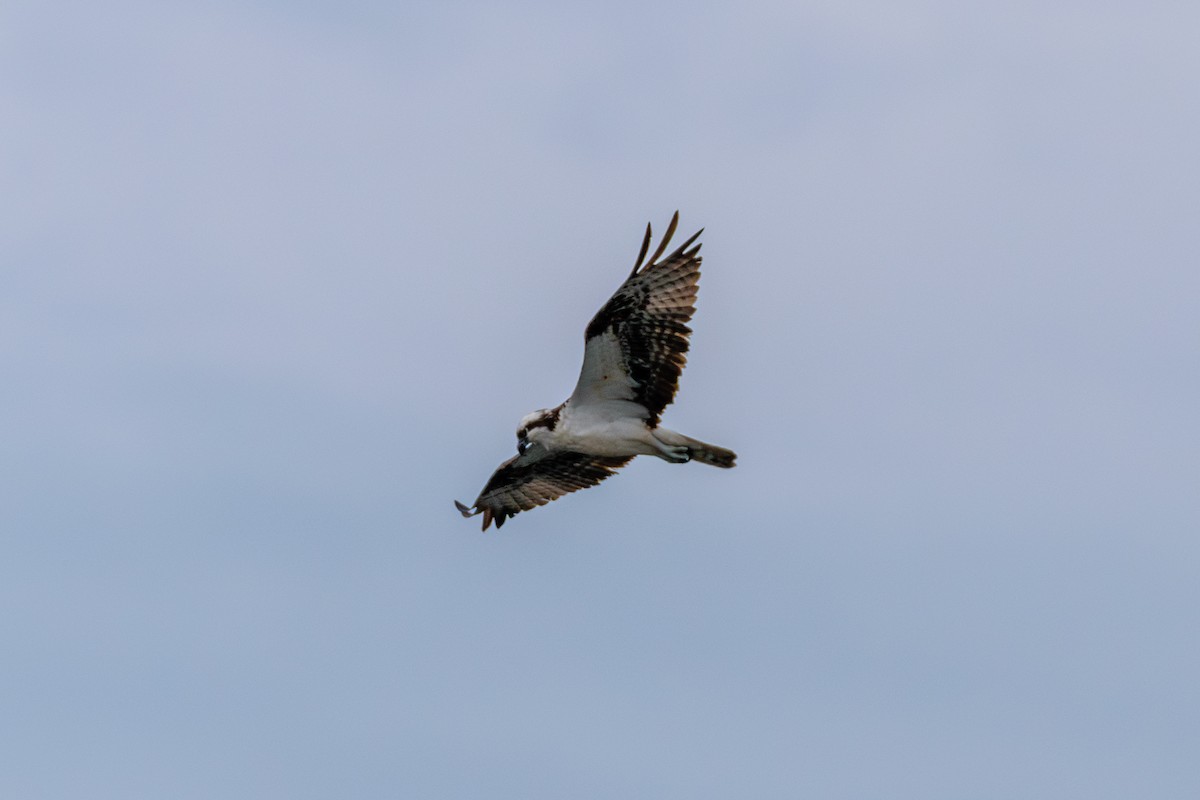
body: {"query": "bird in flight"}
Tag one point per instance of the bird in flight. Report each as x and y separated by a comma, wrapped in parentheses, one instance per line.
(634, 351)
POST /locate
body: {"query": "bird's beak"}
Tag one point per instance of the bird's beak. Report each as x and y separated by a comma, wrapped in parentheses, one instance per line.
(522, 445)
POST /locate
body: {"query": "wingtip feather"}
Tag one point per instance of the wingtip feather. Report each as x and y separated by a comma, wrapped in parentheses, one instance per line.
(683, 248)
(642, 253)
(666, 238)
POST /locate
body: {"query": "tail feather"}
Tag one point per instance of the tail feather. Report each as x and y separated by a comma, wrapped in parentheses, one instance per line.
(711, 454)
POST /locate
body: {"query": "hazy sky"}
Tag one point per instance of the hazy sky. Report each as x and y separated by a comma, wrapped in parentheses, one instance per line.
(279, 280)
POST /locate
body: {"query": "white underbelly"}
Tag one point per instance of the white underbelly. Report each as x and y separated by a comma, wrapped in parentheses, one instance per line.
(605, 435)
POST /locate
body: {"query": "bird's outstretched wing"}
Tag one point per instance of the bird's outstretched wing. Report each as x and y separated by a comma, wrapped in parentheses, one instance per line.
(636, 345)
(534, 479)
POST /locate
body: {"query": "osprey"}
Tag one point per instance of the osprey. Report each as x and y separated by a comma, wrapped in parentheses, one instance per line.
(633, 354)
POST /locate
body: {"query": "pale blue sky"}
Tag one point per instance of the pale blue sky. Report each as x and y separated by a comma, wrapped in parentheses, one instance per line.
(279, 280)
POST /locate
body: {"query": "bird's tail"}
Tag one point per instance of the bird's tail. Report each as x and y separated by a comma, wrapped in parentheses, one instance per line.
(697, 450)
(711, 454)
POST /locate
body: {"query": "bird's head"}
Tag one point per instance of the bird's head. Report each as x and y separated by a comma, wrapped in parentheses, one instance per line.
(535, 427)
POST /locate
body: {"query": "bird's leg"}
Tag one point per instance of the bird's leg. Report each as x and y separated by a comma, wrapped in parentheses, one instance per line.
(671, 446)
(675, 453)
(681, 454)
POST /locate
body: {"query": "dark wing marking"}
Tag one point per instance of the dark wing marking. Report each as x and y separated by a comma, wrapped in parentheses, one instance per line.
(534, 479)
(649, 315)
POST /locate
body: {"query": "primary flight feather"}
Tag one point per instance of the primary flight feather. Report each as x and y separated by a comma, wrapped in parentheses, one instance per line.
(634, 351)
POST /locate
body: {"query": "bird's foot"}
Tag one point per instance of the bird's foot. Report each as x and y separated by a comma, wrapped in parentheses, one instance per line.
(678, 454)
